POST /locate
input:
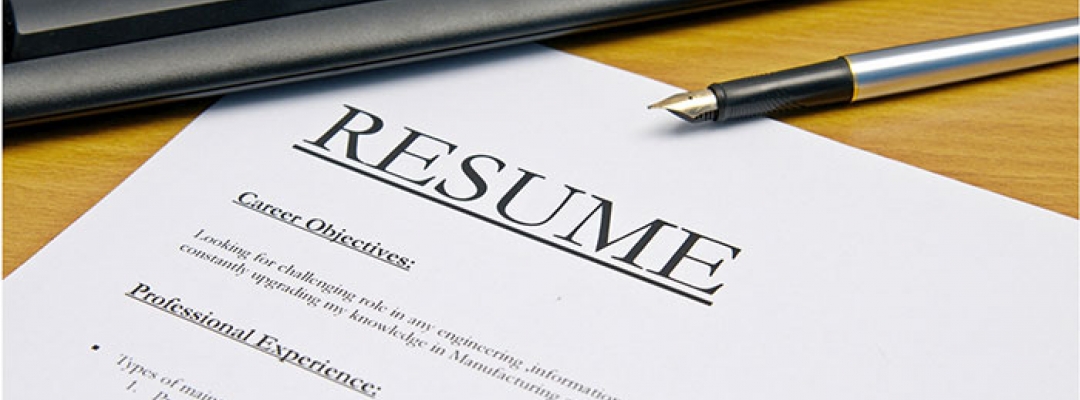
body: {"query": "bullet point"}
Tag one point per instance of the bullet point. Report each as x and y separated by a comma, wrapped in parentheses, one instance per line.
(95, 347)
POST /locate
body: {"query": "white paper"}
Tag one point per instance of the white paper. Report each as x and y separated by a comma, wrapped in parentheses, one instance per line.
(844, 275)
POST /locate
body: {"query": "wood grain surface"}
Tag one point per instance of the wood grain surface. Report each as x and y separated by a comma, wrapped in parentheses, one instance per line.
(1015, 135)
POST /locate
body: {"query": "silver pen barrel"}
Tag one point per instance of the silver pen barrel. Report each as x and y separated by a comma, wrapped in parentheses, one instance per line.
(917, 66)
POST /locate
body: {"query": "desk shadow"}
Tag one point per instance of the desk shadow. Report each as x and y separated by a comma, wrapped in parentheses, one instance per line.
(128, 119)
(683, 129)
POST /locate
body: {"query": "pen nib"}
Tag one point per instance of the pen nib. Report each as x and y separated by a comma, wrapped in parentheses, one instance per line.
(695, 106)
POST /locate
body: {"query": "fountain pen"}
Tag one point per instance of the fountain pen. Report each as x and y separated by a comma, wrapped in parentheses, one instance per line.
(879, 73)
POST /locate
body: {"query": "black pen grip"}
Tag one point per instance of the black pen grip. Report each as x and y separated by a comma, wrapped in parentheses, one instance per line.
(812, 85)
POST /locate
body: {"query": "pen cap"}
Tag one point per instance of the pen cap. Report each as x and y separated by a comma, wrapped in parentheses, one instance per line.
(917, 66)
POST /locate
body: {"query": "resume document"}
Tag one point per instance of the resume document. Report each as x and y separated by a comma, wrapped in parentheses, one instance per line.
(516, 225)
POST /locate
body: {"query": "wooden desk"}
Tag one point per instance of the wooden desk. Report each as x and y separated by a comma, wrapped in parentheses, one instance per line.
(1014, 135)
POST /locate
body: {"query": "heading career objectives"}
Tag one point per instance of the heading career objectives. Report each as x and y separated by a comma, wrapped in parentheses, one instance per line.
(321, 228)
